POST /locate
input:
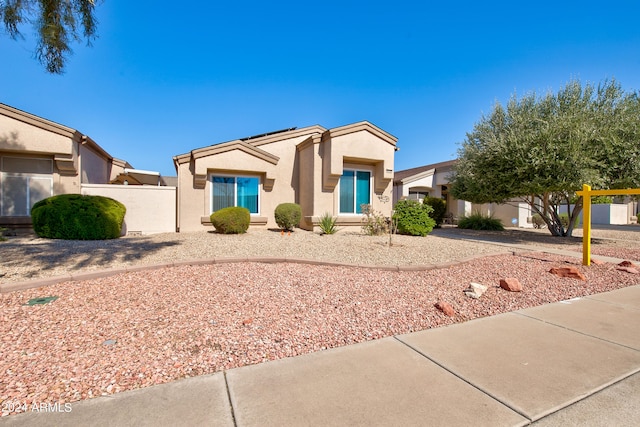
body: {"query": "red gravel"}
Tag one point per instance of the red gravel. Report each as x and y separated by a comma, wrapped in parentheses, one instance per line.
(184, 321)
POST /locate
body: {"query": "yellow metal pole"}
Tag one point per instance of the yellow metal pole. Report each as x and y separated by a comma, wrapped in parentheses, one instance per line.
(586, 224)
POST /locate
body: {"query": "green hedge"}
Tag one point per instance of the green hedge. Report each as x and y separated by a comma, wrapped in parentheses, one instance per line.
(288, 215)
(538, 222)
(78, 217)
(477, 221)
(439, 209)
(231, 220)
(412, 218)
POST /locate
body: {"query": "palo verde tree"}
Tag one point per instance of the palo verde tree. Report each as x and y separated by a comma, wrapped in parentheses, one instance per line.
(542, 149)
(57, 24)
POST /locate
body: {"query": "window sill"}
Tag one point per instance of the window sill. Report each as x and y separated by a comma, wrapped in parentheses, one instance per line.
(15, 220)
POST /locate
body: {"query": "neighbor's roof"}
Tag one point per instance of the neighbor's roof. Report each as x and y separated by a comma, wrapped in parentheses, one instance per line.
(400, 175)
(57, 128)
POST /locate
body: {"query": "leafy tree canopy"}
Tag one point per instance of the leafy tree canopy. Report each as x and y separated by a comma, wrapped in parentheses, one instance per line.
(57, 24)
(542, 149)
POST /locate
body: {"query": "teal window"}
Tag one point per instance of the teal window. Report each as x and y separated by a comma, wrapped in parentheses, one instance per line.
(239, 191)
(355, 190)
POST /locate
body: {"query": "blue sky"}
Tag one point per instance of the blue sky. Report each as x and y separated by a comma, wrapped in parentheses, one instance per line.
(163, 79)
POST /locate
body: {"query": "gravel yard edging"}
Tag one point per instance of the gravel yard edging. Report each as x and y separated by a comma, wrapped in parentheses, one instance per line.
(89, 275)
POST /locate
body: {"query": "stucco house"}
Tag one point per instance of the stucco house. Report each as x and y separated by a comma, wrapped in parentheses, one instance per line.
(330, 171)
(40, 158)
(433, 180)
(429, 180)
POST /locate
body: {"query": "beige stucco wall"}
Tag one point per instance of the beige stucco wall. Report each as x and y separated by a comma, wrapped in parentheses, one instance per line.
(94, 168)
(23, 137)
(150, 209)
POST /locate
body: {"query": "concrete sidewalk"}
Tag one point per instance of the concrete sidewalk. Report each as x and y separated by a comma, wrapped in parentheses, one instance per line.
(575, 362)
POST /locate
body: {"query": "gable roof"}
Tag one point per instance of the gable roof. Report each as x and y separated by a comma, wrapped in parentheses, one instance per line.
(366, 126)
(438, 167)
(39, 122)
(289, 133)
(50, 126)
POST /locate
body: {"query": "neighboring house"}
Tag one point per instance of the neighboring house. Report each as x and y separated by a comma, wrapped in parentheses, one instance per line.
(433, 180)
(429, 180)
(40, 158)
(331, 171)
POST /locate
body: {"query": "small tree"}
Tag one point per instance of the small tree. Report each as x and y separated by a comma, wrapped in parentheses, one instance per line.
(542, 149)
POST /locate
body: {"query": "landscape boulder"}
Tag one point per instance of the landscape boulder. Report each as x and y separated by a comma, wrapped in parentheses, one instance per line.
(571, 272)
(475, 290)
(626, 263)
(631, 270)
(511, 284)
(446, 308)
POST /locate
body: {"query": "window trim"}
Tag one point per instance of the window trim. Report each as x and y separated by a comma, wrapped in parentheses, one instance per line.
(355, 182)
(50, 160)
(235, 189)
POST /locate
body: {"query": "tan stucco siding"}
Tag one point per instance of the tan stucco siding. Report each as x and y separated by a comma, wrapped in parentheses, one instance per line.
(22, 137)
(361, 147)
(94, 168)
(191, 200)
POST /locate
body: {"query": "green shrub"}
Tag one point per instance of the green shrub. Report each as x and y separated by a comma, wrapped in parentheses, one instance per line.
(327, 224)
(537, 221)
(231, 220)
(439, 209)
(78, 217)
(2, 238)
(412, 218)
(288, 215)
(373, 222)
(601, 200)
(477, 221)
(564, 219)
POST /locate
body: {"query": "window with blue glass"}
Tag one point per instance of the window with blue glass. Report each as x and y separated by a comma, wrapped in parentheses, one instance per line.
(239, 191)
(355, 190)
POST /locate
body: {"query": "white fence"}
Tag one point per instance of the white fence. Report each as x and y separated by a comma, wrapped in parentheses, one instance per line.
(150, 209)
(606, 214)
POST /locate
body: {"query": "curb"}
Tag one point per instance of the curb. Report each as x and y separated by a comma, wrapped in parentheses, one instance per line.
(98, 274)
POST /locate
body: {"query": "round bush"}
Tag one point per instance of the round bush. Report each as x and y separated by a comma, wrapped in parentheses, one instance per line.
(231, 220)
(439, 209)
(412, 218)
(477, 221)
(78, 217)
(288, 215)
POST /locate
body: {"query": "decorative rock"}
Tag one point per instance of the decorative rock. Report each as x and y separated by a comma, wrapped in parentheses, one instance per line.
(247, 322)
(571, 272)
(475, 290)
(511, 284)
(626, 263)
(631, 270)
(446, 308)
(596, 262)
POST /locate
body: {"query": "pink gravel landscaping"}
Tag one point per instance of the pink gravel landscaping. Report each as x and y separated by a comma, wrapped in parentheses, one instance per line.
(137, 329)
